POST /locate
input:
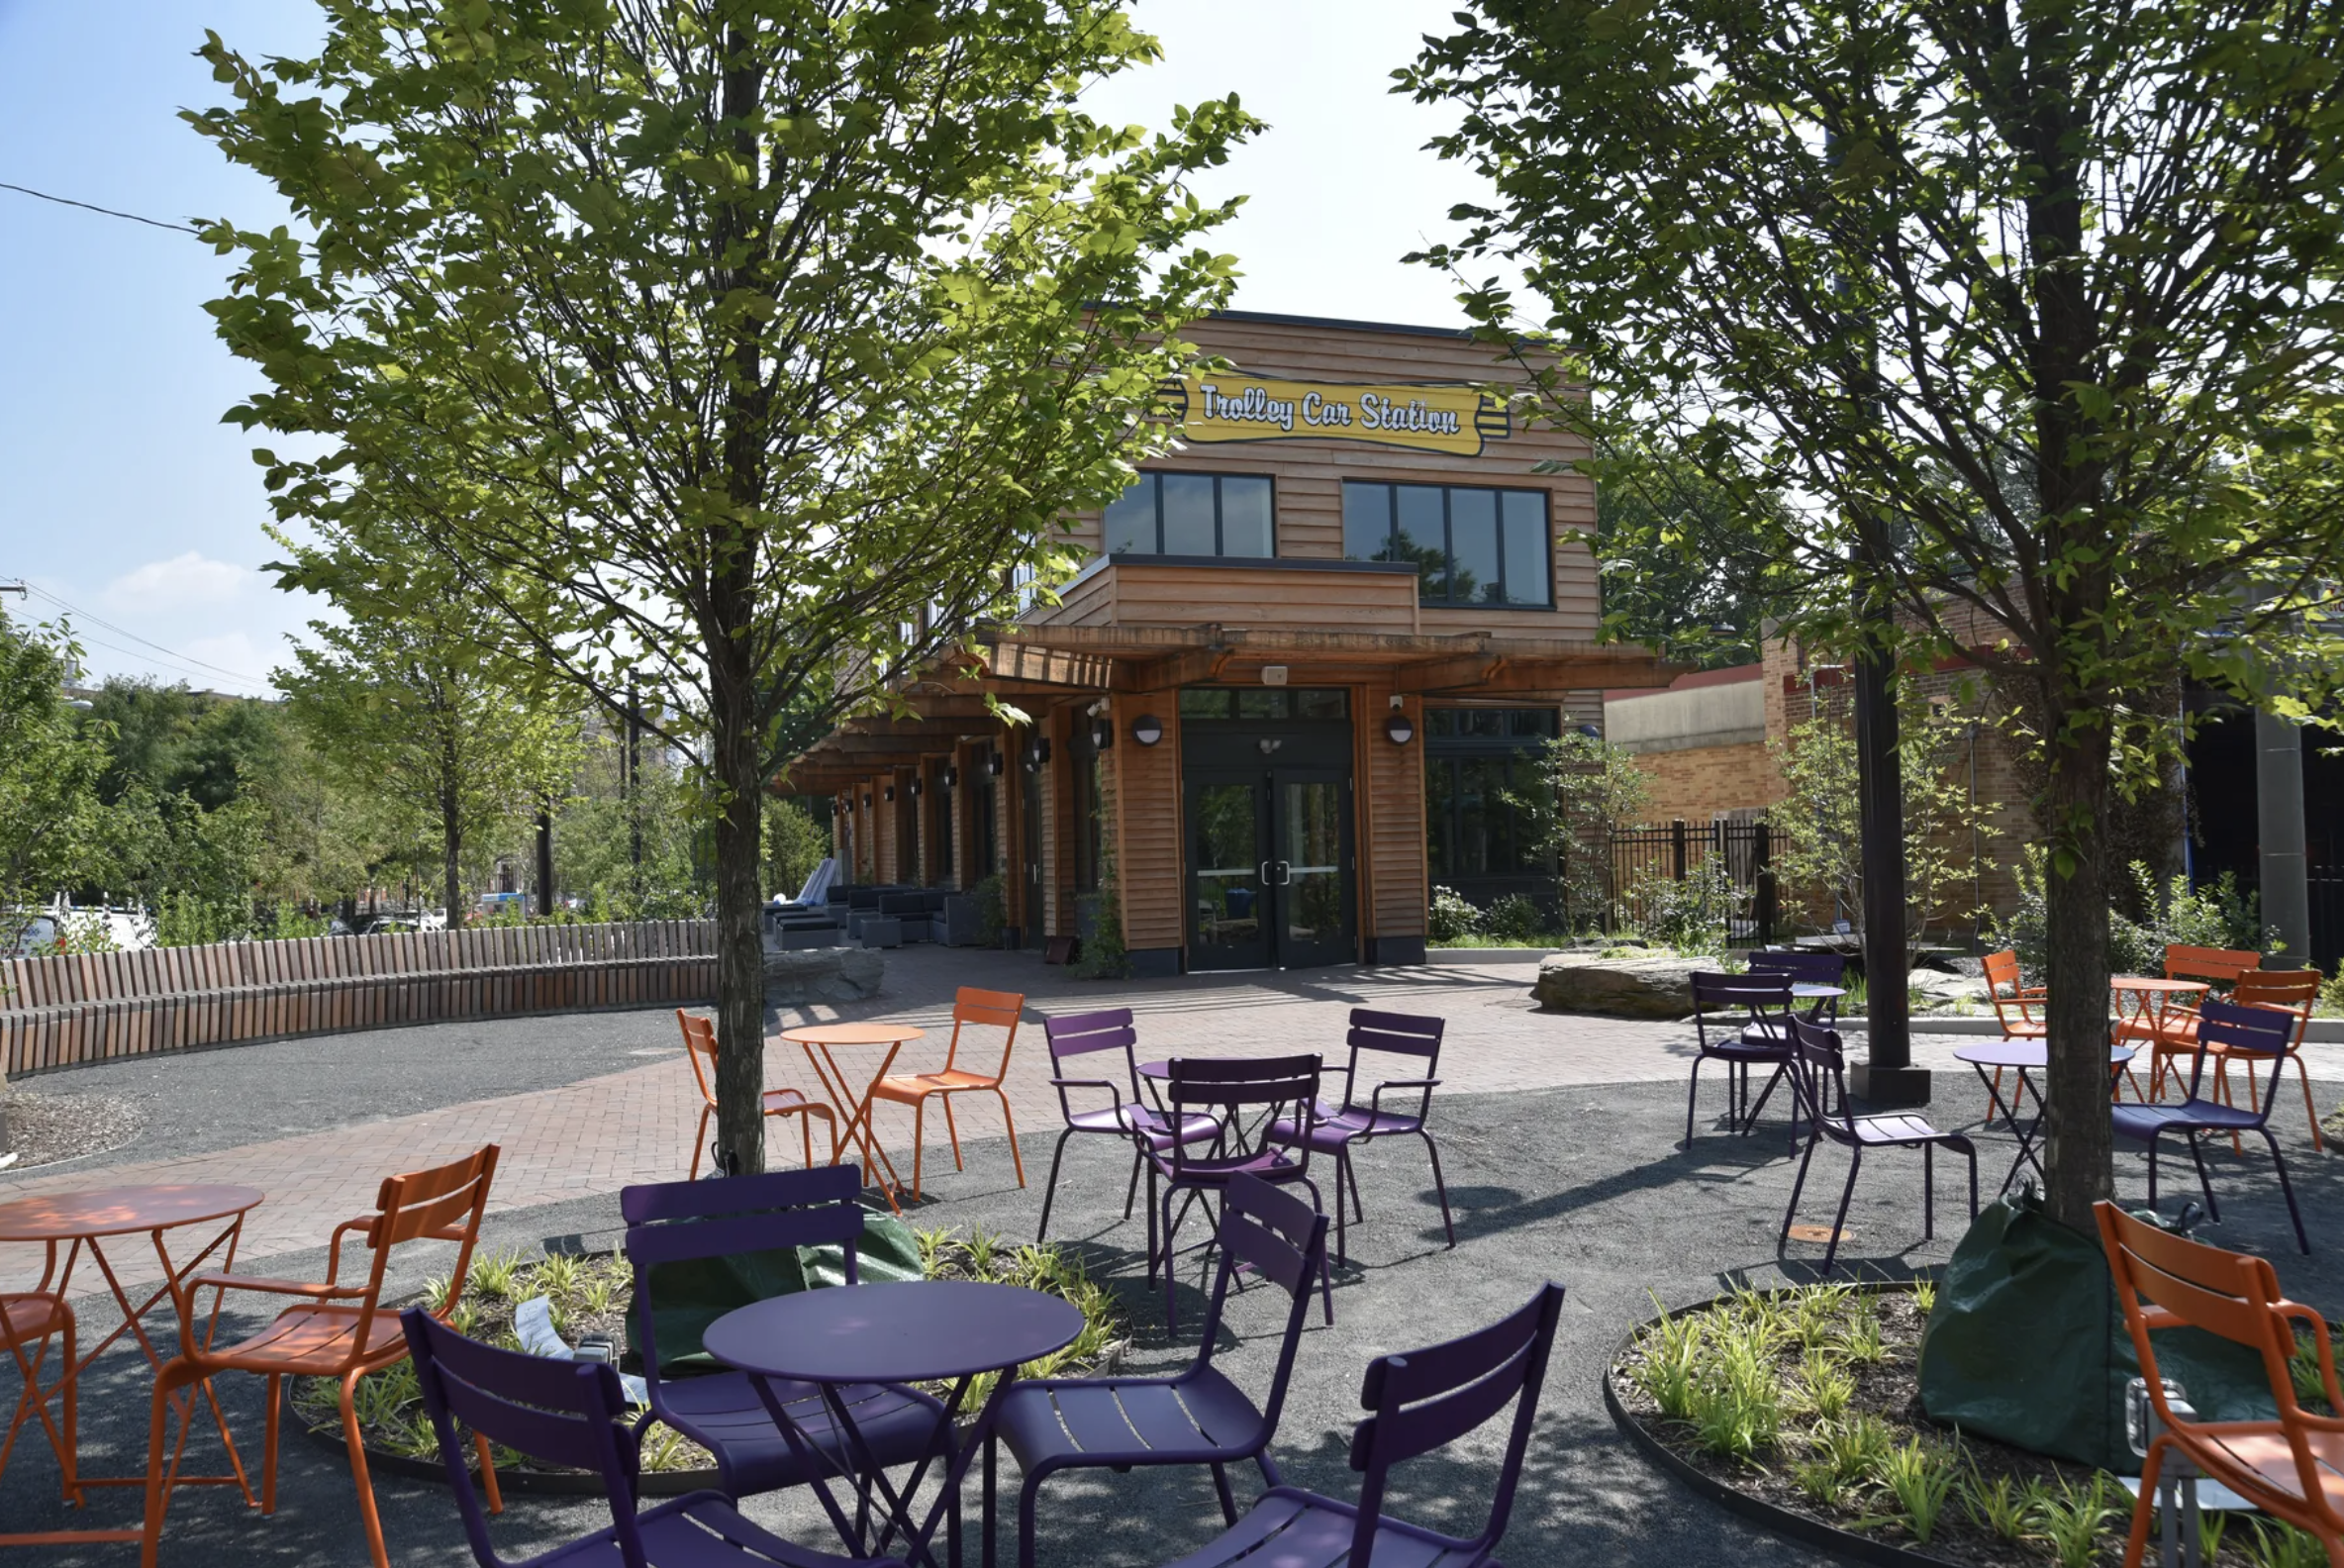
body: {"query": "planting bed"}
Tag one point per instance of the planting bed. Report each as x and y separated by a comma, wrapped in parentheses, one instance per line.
(1801, 1408)
(594, 1294)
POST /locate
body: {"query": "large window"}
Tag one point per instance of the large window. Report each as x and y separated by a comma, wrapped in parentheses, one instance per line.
(1469, 546)
(1480, 763)
(1191, 514)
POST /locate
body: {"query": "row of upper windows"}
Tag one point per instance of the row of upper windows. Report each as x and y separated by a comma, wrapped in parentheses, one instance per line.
(1471, 545)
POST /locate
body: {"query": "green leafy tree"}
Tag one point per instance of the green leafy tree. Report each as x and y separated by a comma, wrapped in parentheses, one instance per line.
(768, 342)
(53, 833)
(1684, 571)
(413, 710)
(1587, 789)
(1818, 856)
(2032, 307)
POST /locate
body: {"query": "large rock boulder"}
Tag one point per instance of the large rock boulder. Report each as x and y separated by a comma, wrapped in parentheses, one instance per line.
(821, 974)
(1639, 988)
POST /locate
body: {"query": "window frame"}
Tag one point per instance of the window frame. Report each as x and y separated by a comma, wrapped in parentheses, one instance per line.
(1154, 479)
(1448, 540)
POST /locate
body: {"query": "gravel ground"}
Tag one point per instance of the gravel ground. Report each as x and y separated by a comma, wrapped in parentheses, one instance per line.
(1586, 1185)
(48, 1128)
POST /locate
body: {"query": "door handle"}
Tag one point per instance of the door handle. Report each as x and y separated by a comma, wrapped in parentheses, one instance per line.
(1264, 874)
(1285, 873)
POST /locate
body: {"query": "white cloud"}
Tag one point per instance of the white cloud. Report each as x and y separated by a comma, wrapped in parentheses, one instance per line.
(192, 581)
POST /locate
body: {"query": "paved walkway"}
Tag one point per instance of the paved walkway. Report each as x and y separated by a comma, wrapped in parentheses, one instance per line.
(610, 1129)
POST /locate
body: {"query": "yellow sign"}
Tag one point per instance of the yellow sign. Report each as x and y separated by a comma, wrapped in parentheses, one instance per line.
(1249, 408)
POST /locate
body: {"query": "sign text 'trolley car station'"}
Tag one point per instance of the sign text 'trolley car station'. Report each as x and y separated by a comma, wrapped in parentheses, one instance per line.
(1240, 408)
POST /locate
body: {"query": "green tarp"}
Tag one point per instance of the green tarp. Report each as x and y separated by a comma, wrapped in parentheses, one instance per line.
(693, 1294)
(2028, 1345)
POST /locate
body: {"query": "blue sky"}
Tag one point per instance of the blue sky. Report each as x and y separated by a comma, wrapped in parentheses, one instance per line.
(126, 497)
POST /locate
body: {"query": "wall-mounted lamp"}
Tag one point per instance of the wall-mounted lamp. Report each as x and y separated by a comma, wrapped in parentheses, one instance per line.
(1273, 674)
(993, 761)
(1269, 745)
(951, 778)
(1147, 729)
(1037, 754)
(1591, 731)
(1102, 734)
(1400, 729)
(890, 792)
(914, 788)
(866, 800)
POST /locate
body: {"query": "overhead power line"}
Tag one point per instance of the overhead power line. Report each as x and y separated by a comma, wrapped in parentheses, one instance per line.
(67, 201)
(172, 654)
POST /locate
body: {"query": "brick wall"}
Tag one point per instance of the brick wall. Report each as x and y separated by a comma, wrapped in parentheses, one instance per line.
(1698, 782)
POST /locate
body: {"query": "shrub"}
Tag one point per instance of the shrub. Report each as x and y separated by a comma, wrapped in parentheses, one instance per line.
(1688, 916)
(992, 912)
(1453, 916)
(2218, 915)
(1515, 918)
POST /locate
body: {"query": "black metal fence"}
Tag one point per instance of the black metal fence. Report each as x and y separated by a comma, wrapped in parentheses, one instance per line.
(1650, 864)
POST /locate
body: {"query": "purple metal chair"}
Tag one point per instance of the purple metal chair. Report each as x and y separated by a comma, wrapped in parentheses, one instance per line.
(1197, 1417)
(1752, 1014)
(568, 1412)
(1816, 1076)
(1416, 1403)
(2231, 1030)
(1339, 1128)
(1226, 1091)
(1125, 1116)
(1807, 968)
(681, 1222)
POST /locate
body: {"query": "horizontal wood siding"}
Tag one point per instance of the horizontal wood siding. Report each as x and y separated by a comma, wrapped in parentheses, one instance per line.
(1138, 593)
(1148, 818)
(1309, 474)
(1392, 834)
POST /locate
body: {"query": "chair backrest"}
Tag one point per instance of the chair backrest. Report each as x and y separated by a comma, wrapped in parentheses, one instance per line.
(1427, 1399)
(2250, 1031)
(700, 1050)
(1397, 1034)
(564, 1413)
(992, 1010)
(444, 1203)
(676, 1221)
(2220, 966)
(1747, 997)
(1276, 1088)
(1818, 1064)
(2292, 990)
(1281, 1239)
(2001, 974)
(1808, 968)
(1079, 1033)
(2234, 1295)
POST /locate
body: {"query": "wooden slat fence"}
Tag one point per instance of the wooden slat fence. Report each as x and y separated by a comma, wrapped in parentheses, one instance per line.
(95, 1007)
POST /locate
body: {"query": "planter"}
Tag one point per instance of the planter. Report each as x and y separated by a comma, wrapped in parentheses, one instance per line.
(526, 1483)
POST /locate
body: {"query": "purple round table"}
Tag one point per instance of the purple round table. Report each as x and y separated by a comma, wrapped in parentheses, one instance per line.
(2024, 1057)
(930, 1331)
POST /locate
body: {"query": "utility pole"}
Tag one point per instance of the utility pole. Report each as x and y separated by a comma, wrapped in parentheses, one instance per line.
(2286, 889)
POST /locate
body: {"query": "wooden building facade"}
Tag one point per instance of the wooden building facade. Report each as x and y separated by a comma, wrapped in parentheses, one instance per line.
(1352, 549)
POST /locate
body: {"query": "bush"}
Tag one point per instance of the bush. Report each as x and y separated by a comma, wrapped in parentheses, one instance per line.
(2219, 914)
(992, 912)
(1453, 916)
(1515, 918)
(1688, 916)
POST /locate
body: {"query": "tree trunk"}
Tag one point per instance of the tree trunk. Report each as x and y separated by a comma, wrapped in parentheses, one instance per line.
(451, 861)
(741, 949)
(2078, 1144)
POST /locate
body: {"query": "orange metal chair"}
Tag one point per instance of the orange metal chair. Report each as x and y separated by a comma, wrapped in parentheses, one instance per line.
(337, 1330)
(2292, 990)
(2173, 1031)
(2016, 1006)
(2292, 1468)
(996, 1009)
(700, 1045)
(28, 1319)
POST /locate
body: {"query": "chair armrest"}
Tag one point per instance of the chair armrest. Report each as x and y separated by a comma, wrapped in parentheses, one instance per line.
(334, 1244)
(2296, 1312)
(1375, 1103)
(1114, 1094)
(274, 1286)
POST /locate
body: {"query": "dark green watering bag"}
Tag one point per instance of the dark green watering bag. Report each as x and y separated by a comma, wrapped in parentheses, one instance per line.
(2028, 1345)
(690, 1293)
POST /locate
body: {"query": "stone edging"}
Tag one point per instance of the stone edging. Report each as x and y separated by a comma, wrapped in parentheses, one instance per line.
(1800, 1528)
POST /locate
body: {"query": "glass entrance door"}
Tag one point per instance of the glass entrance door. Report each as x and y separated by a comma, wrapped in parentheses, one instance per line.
(1270, 880)
(1229, 872)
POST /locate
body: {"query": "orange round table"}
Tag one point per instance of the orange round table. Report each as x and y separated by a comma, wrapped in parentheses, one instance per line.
(2141, 991)
(824, 1039)
(85, 1222)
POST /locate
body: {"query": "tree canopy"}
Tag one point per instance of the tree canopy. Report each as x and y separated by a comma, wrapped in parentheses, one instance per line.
(767, 342)
(2029, 309)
